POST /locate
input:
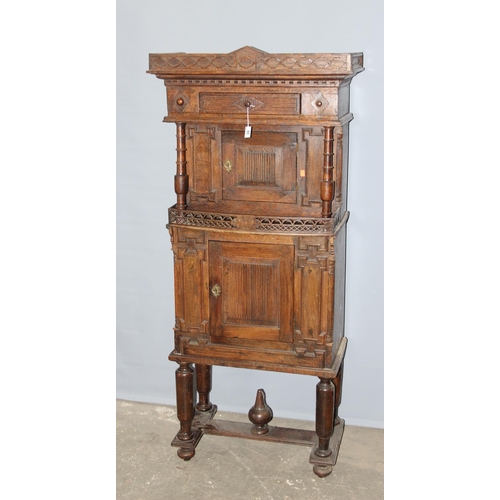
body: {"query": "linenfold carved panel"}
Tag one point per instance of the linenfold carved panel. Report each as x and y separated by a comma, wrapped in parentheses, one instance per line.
(264, 167)
(248, 278)
(256, 291)
(258, 165)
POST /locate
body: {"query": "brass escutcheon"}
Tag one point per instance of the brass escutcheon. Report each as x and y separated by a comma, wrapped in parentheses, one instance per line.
(216, 290)
(228, 165)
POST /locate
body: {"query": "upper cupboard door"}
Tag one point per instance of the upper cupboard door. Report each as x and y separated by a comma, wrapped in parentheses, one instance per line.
(261, 168)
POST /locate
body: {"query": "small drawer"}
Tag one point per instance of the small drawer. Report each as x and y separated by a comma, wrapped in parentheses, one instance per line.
(262, 104)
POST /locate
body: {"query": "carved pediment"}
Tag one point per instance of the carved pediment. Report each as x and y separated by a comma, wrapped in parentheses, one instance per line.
(247, 51)
(251, 61)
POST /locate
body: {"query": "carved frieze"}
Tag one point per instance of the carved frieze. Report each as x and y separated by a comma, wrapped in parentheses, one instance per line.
(266, 224)
(249, 60)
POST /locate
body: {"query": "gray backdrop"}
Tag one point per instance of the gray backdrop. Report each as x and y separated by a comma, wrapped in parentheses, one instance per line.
(145, 169)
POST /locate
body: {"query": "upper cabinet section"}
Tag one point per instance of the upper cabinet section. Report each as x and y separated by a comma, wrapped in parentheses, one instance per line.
(259, 133)
(311, 88)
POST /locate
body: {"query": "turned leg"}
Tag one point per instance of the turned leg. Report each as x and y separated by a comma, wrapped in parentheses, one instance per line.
(325, 391)
(325, 395)
(204, 386)
(185, 408)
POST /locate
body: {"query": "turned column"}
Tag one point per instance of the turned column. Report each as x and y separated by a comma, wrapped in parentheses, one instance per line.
(204, 386)
(327, 185)
(185, 408)
(181, 178)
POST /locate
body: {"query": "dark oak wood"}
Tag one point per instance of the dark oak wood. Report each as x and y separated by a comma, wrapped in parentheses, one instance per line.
(259, 232)
(260, 414)
(250, 63)
(185, 411)
(327, 185)
(325, 393)
(181, 179)
(337, 381)
(323, 465)
(204, 386)
(275, 433)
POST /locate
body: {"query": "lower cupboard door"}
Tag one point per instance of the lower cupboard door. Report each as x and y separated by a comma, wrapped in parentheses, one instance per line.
(251, 292)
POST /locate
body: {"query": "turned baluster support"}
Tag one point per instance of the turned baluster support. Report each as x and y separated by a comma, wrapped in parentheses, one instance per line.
(327, 185)
(204, 386)
(181, 178)
(325, 393)
(325, 396)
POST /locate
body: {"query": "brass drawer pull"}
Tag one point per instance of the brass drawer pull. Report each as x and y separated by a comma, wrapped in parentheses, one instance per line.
(216, 290)
(228, 165)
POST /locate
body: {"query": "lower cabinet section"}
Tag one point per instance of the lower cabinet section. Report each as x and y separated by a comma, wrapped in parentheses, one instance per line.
(243, 297)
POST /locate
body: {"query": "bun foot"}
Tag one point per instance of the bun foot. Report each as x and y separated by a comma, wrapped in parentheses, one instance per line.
(186, 453)
(322, 470)
(187, 447)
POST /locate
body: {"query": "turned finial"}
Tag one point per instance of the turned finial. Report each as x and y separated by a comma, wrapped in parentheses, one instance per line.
(260, 414)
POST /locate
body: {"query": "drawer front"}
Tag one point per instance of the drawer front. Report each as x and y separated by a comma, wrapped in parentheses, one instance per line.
(262, 104)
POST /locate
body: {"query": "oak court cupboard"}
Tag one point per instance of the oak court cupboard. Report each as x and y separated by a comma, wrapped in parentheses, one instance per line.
(259, 232)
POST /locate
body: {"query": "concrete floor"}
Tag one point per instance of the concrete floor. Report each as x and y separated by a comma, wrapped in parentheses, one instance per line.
(148, 468)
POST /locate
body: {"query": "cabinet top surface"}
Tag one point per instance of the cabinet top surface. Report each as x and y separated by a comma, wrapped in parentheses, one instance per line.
(250, 61)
